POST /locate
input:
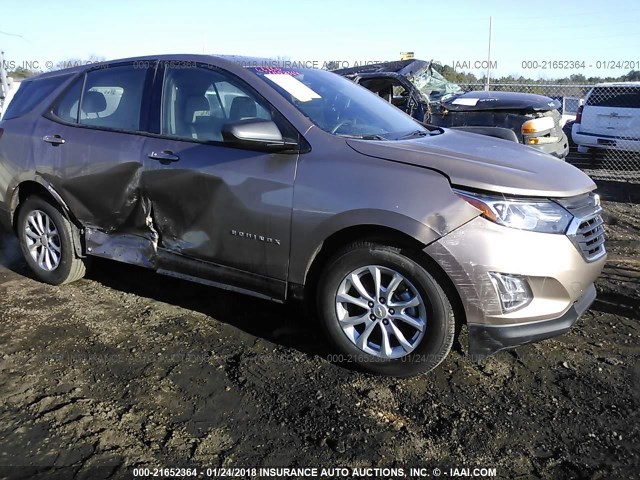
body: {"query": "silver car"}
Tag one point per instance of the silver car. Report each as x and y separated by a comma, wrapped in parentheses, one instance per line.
(290, 183)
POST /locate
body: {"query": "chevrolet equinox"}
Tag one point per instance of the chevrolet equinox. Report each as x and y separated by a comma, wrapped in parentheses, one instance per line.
(290, 183)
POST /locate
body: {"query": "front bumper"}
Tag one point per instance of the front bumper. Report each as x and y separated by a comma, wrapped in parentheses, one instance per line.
(488, 339)
(559, 277)
(559, 149)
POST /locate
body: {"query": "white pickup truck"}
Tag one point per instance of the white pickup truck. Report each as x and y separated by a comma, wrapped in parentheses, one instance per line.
(12, 89)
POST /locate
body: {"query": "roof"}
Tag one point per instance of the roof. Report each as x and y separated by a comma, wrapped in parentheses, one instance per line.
(618, 84)
(183, 57)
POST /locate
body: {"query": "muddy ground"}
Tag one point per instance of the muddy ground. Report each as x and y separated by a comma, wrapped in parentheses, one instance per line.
(126, 368)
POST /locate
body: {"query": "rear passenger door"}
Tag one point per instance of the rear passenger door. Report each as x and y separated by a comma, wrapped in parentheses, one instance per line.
(90, 146)
(213, 201)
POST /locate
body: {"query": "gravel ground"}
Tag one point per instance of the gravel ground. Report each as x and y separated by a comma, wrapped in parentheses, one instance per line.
(128, 369)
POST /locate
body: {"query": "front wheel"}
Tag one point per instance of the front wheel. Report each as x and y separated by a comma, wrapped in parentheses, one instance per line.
(384, 310)
(45, 237)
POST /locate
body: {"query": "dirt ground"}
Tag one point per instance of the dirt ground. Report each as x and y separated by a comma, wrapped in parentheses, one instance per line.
(128, 369)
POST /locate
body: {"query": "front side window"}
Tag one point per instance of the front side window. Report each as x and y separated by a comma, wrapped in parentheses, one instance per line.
(338, 105)
(198, 102)
(112, 98)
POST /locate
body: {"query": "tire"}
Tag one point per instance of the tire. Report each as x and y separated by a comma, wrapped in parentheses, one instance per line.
(47, 245)
(583, 149)
(423, 315)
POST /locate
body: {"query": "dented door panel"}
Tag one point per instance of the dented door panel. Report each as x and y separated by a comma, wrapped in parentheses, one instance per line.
(96, 172)
(222, 205)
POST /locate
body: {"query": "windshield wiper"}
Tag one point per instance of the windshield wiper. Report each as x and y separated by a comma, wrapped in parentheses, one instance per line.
(415, 133)
(365, 137)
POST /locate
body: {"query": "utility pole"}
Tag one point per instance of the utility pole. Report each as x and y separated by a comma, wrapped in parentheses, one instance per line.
(4, 86)
(486, 87)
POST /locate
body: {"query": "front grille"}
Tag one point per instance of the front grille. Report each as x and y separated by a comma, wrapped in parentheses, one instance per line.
(587, 228)
(590, 237)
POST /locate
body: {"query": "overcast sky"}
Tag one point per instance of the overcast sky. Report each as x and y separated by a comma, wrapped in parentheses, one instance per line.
(595, 32)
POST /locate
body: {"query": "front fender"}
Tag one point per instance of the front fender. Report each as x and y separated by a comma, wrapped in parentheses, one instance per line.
(334, 193)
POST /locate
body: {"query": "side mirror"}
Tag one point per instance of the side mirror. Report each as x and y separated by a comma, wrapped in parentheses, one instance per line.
(256, 133)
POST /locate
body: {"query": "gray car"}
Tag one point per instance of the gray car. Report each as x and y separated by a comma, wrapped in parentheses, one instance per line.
(290, 183)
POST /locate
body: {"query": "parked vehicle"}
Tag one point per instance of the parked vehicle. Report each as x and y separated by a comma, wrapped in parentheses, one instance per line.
(419, 90)
(12, 88)
(609, 118)
(568, 109)
(290, 183)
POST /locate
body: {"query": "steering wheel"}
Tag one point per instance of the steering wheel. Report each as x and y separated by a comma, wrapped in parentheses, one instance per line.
(341, 123)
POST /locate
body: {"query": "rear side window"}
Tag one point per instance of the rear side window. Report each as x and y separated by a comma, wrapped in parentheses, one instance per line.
(112, 98)
(615, 96)
(30, 94)
(67, 107)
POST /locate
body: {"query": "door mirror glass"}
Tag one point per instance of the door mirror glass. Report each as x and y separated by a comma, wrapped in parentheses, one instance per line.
(255, 133)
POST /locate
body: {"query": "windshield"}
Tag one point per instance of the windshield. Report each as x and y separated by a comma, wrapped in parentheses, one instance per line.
(339, 106)
(434, 86)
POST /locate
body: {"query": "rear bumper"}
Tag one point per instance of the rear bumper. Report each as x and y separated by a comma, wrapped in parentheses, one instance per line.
(484, 340)
(607, 142)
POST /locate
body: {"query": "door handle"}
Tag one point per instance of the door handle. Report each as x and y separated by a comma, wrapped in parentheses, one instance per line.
(53, 139)
(165, 156)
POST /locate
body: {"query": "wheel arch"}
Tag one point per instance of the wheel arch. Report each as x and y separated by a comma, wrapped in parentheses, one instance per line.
(387, 236)
(28, 188)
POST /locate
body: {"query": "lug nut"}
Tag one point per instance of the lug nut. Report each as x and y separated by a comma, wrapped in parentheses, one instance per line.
(370, 304)
(385, 321)
(381, 299)
(372, 316)
(392, 311)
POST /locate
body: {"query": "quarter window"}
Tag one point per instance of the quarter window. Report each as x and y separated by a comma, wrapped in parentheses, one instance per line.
(30, 94)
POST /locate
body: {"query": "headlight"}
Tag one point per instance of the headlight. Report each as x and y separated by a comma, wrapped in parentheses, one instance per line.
(537, 125)
(542, 216)
(542, 140)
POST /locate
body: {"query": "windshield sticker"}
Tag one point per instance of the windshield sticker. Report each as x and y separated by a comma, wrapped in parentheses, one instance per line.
(276, 71)
(471, 102)
(293, 86)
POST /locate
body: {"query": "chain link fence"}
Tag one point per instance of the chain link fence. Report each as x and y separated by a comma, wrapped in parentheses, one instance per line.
(604, 139)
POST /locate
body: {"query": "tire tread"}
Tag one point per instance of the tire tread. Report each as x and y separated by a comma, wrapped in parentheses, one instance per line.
(77, 266)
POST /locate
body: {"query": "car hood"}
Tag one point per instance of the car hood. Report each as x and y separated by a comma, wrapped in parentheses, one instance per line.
(484, 163)
(524, 102)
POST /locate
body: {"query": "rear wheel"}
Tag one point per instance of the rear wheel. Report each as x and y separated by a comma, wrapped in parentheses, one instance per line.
(45, 237)
(583, 149)
(385, 311)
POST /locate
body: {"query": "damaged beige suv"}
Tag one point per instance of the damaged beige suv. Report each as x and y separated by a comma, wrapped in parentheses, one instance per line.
(287, 183)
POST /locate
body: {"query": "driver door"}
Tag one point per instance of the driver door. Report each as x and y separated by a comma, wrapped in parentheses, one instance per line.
(226, 207)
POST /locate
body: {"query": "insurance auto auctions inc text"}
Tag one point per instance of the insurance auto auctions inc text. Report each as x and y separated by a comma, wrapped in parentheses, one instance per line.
(352, 472)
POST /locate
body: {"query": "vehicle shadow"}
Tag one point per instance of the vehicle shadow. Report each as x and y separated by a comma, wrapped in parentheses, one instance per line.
(10, 254)
(285, 325)
(621, 302)
(616, 304)
(621, 192)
